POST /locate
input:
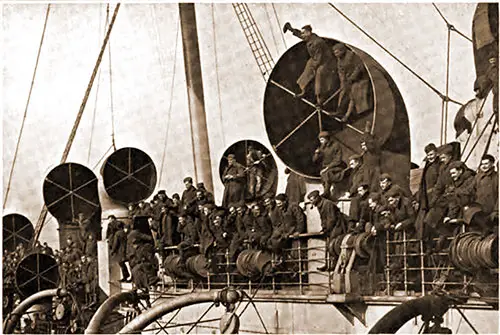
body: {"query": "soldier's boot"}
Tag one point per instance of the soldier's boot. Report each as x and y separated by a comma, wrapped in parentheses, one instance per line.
(350, 109)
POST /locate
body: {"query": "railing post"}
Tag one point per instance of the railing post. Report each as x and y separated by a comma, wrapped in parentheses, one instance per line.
(405, 263)
(422, 266)
(387, 260)
(228, 274)
(299, 249)
(273, 281)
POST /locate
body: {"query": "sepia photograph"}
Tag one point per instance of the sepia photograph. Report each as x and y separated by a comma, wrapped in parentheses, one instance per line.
(250, 168)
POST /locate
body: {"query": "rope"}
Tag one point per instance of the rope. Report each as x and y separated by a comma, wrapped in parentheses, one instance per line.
(72, 135)
(221, 120)
(475, 122)
(272, 33)
(26, 107)
(435, 90)
(165, 142)
(97, 89)
(450, 26)
(111, 88)
(479, 137)
(279, 25)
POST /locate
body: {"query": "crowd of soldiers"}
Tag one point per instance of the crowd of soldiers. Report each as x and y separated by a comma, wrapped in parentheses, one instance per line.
(450, 194)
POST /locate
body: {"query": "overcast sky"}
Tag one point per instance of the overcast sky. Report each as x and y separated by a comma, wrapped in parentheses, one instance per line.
(148, 107)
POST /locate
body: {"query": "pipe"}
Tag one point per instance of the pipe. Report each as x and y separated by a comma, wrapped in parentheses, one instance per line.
(108, 306)
(16, 314)
(158, 311)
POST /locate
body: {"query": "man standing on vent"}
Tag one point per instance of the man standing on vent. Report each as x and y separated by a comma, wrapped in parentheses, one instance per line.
(320, 67)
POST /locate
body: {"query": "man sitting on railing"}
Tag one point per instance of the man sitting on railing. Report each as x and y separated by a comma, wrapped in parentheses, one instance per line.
(189, 234)
(223, 235)
(333, 222)
(259, 228)
(359, 211)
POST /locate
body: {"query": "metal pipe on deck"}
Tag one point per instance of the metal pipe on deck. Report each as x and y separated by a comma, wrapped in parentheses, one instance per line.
(194, 83)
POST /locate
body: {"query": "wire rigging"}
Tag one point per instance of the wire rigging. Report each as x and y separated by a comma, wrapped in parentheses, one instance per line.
(279, 25)
(450, 26)
(113, 142)
(219, 96)
(172, 83)
(272, 30)
(26, 107)
(98, 84)
(435, 90)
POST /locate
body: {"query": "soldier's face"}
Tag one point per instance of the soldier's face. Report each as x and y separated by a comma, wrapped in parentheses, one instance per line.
(230, 161)
(445, 158)
(232, 210)
(206, 211)
(280, 204)
(256, 211)
(353, 163)
(306, 34)
(323, 140)
(372, 204)
(393, 201)
(199, 195)
(385, 184)
(240, 210)
(267, 202)
(188, 184)
(362, 191)
(486, 165)
(338, 53)
(431, 156)
(363, 146)
(455, 174)
(314, 200)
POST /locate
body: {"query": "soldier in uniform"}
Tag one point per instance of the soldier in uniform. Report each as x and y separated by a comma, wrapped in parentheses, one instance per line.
(234, 183)
(259, 228)
(119, 251)
(143, 209)
(256, 168)
(188, 199)
(359, 211)
(329, 155)
(320, 66)
(356, 175)
(272, 211)
(206, 234)
(295, 187)
(208, 195)
(354, 81)
(90, 246)
(113, 227)
(485, 189)
(371, 159)
(333, 222)
(189, 234)
(291, 214)
(430, 176)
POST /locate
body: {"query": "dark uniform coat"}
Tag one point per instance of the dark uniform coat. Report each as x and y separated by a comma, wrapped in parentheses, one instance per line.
(430, 176)
(234, 189)
(119, 246)
(486, 190)
(259, 230)
(371, 162)
(332, 165)
(295, 188)
(359, 212)
(320, 67)
(332, 220)
(188, 200)
(354, 81)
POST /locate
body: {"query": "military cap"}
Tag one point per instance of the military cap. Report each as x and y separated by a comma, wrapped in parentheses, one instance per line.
(457, 165)
(313, 194)
(339, 46)
(282, 197)
(446, 149)
(363, 184)
(488, 157)
(162, 192)
(200, 185)
(231, 156)
(176, 196)
(307, 27)
(393, 192)
(155, 197)
(323, 134)
(375, 197)
(220, 212)
(209, 205)
(384, 176)
(111, 216)
(430, 147)
(355, 157)
(188, 179)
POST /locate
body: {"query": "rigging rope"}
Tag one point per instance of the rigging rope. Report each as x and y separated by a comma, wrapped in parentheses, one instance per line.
(272, 30)
(98, 85)
(113, 143)
(26, 107)
(279, 25)
(43, 214)
(435, 90)
(450, 26)
(219, 98)
(172, 83)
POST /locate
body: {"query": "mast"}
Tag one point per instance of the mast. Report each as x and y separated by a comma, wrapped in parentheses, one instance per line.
(194, 83)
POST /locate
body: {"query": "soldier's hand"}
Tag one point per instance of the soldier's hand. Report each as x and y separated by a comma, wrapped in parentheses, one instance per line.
(317, 151)
(398, 226)
(446, 219)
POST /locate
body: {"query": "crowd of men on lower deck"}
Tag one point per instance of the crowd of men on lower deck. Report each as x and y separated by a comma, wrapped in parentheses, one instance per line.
(450, 194)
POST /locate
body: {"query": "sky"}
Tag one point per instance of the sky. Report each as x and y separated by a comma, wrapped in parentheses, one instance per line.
(148, 103)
